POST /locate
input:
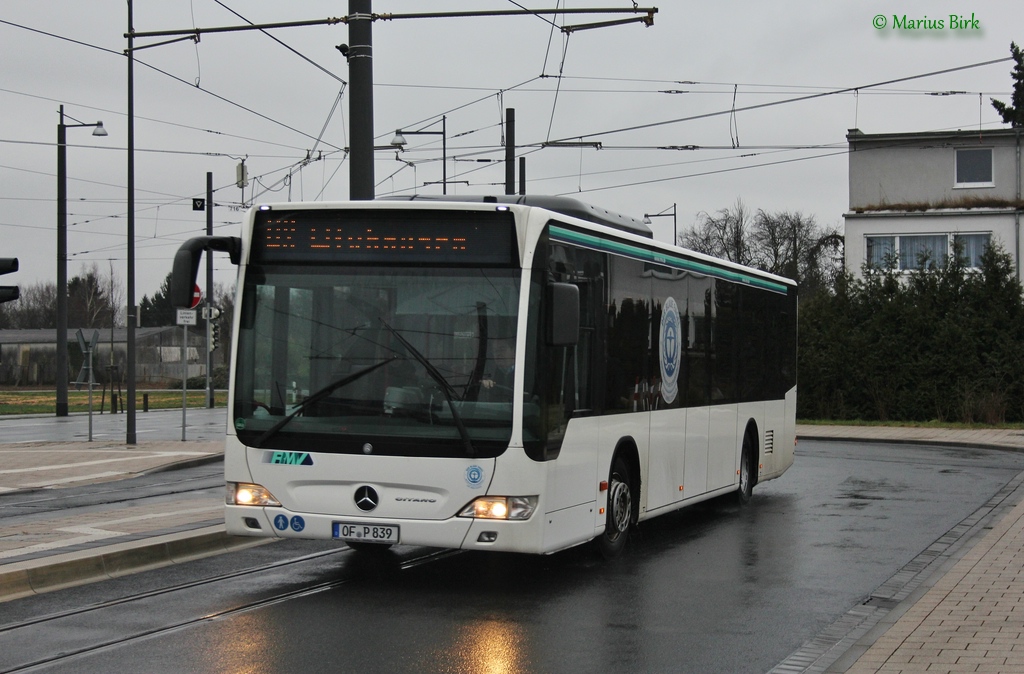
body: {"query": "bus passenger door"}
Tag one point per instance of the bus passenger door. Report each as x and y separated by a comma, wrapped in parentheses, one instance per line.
(699, 334)
(695, 463)
(723, 447)
(666, 459)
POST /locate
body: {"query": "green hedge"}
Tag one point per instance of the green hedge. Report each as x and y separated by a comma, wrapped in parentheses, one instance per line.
(943, 343)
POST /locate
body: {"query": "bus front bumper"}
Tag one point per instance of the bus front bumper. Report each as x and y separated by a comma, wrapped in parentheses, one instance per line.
(454, 533)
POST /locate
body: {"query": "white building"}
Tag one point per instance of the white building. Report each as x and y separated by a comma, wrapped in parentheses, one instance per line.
(912, 193)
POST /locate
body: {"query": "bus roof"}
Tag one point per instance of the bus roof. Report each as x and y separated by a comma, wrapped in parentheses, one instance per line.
(563, 205)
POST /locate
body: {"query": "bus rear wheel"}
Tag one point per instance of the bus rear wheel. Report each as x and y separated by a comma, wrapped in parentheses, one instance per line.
(747, 463)
(619, 512)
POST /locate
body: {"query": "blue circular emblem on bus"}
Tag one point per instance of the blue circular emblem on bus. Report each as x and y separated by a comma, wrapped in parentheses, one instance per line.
(669, 350)
(474, 477)
(298, 524)
(281, 522)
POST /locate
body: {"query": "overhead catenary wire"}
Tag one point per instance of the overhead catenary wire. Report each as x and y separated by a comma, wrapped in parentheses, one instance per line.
(564, 89)
(554, 102)
(166, 74)
(286, 46)
(799, 99)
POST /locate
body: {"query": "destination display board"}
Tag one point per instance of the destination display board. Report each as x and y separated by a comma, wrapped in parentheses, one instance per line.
(399, 236)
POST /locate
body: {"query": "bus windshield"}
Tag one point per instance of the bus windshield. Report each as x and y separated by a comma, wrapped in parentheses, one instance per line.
(402, 361)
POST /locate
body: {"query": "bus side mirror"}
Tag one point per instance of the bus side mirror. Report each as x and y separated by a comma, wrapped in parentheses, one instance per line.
(563, 319)
(186, 264)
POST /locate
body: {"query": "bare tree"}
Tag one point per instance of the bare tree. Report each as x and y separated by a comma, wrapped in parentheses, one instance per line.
(117, 296)
(88, 302)
(724, 234)
(36, 308)
(785, 243)
(94, 301)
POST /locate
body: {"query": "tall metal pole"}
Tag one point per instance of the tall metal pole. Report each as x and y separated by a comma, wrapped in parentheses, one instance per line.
(62, 268)
(209, 292)
(675, 231)
(130, 436)
(88, 353)
(360, 71)
(444, 154)
(184, 376)
(510, 151)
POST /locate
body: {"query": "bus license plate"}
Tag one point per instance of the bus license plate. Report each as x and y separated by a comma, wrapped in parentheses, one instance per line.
(370, 533)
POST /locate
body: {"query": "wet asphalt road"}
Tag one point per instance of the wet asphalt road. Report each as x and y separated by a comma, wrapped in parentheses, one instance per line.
(200, 425)
(714, 588)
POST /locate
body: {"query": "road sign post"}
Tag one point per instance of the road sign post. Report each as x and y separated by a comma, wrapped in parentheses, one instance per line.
(86, 372)
(186, 317)
(184, 378)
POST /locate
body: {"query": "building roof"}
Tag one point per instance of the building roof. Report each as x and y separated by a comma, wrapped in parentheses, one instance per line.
(858, 136)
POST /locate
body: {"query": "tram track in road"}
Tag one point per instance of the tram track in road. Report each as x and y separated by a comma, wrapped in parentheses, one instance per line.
(40, 502)
(71, 620)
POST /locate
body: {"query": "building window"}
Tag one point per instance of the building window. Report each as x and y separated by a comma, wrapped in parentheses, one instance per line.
(974, 167)
(904, 253)
(880, 250)
(971, 248)
(914, 249)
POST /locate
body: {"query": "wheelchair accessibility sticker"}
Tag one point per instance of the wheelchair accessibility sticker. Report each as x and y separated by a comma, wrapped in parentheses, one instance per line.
(475, 477)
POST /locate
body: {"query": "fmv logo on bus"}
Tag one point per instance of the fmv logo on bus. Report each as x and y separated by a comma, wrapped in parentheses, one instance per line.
(288, 458)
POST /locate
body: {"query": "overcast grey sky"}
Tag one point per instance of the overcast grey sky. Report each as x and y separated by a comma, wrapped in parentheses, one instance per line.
(204, 107)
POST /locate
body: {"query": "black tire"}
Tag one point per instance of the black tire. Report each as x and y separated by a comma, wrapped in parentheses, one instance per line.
(748, 472)
(619, 512)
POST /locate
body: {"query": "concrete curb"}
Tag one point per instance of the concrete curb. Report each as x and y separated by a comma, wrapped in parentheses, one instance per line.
(55, 572)
(186, 463)
(909, 441)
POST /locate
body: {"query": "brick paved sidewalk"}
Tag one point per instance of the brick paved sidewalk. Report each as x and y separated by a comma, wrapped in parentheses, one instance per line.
(971, 620)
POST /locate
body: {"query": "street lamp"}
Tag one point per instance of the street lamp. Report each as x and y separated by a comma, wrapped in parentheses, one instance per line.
(663, 214)
(62, 257)
(400, 142)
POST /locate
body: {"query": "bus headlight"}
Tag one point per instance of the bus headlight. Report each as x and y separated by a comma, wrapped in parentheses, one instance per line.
(501, 508)
(241, 493)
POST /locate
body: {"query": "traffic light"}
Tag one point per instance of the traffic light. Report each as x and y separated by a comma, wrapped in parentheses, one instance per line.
(214, 336)
(9, 293)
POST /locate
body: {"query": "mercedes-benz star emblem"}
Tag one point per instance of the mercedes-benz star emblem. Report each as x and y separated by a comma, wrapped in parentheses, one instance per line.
(366, 498)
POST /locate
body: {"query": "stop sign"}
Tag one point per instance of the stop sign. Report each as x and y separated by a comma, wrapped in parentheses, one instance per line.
(197, 297)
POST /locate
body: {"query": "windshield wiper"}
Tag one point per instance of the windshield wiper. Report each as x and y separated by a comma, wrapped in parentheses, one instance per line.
(320, 395)
(446, 388)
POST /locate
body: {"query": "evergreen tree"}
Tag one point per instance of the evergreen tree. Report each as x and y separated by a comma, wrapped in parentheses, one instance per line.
(941, 342)
(157, 311)
(1014, 114)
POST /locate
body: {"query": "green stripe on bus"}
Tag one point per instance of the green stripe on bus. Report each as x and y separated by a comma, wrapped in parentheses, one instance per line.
(611, 246)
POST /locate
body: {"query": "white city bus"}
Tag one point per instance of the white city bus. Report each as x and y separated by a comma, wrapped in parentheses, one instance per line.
(499, 373)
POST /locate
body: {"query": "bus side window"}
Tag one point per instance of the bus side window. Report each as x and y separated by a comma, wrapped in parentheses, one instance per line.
(563, 319)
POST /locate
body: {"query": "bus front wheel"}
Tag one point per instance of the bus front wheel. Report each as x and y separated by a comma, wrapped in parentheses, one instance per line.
(619, 512)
